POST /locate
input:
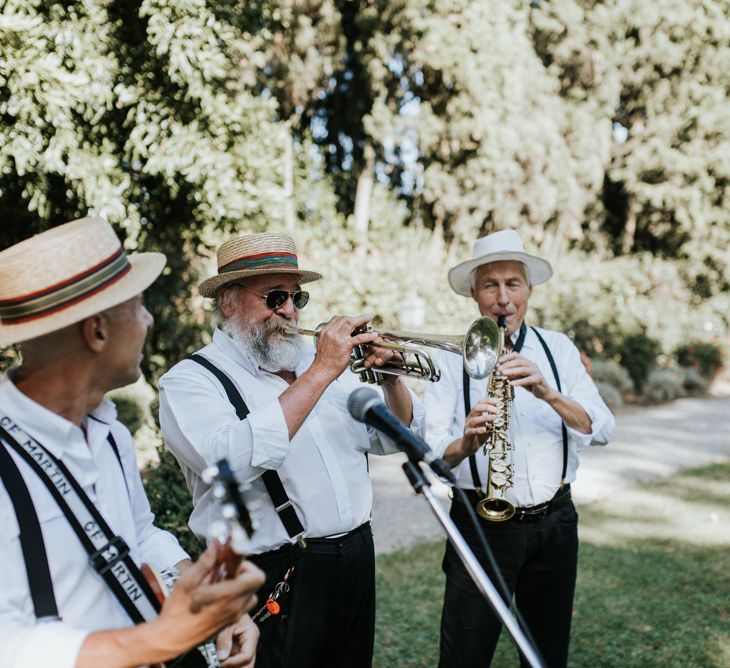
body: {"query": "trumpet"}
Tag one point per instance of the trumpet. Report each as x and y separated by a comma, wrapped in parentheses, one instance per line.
(478, 348)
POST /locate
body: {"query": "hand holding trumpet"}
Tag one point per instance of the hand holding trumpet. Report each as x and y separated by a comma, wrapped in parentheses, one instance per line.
(336, 341)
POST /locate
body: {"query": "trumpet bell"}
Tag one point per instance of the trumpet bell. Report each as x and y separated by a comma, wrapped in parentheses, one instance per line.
(480, 346)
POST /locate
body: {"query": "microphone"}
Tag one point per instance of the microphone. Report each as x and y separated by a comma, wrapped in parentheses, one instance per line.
(366, 405)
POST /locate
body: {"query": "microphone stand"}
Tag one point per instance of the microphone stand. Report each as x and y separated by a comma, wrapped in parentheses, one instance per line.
(422, 486)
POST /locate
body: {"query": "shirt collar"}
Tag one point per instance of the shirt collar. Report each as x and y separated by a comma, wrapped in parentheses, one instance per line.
(55, 433)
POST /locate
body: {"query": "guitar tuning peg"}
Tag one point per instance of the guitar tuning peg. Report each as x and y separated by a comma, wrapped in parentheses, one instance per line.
(218, 531)
(210, 474)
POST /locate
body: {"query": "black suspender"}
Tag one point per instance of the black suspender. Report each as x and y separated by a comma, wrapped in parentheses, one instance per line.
(472, 458)
(560, 389)
(31, 540)
(108, 554)
(467, 404)
(272, 481)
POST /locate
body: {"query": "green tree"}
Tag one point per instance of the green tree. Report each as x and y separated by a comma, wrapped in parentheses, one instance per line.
(667, 188)
(147, 114)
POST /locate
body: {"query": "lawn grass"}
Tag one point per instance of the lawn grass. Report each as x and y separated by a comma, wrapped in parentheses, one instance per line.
(653, 585)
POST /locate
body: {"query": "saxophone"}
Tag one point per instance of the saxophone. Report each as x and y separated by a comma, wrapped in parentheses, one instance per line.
(498, 444)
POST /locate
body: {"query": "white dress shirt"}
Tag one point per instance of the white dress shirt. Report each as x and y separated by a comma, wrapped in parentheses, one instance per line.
(323, 468)
(84, 600)
(537, 434)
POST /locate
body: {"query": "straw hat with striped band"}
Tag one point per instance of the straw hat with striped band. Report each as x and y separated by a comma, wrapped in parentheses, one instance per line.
(254, 255)
(66, 274)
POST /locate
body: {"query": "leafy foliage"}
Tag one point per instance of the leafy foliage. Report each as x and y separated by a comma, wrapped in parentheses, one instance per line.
(612, 373)
(390, 132)
(170, 500)
(667, 184)
(610, 395)
(638, 354)
(706, 357)
(663, 385)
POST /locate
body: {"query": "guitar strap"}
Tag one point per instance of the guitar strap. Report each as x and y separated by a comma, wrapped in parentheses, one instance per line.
(275, 488)
(467, 403)
(108, 554)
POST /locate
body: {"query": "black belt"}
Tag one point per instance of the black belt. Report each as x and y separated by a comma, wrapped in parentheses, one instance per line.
(319, 545)
(531, 513)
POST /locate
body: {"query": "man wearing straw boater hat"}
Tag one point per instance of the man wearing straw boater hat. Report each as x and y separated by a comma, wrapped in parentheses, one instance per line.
(75, 524)
(277, 409)
(555, 414)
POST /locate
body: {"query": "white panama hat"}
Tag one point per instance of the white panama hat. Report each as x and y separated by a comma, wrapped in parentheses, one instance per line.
(501, 246)
(65, 274)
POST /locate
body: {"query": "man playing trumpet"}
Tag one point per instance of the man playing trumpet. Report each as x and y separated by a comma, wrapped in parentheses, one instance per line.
(278, 412)
(555, 415)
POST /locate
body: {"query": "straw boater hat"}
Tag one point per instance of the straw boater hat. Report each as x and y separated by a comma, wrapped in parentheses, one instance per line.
(66, 274)
(499, 246)
(253, 255)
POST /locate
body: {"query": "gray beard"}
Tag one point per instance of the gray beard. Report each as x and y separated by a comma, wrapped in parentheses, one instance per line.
(268, 346)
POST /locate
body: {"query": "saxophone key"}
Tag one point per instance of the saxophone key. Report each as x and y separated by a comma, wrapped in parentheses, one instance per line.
(499, 479)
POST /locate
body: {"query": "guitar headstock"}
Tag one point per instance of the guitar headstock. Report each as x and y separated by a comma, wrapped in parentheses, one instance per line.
(236, 526)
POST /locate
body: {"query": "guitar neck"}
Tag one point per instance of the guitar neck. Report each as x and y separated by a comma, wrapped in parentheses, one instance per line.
(229, 559)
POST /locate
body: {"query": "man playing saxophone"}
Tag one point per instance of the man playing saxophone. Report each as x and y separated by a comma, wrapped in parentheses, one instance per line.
(519, 482)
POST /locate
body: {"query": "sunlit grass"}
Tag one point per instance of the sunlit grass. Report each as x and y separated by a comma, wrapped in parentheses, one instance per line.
(653, 587)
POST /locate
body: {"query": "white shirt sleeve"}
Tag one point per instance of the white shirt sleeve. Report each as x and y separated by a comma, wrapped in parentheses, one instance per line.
(578, 386)
(24, 642)
(200, 425)
(52, 644)
(380, 444)
(444, 414)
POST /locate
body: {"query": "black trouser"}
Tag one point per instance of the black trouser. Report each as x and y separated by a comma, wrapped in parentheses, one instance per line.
(538, 561)
(328, 616)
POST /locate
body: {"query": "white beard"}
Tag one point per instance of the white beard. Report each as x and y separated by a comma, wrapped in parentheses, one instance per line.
(269, 347)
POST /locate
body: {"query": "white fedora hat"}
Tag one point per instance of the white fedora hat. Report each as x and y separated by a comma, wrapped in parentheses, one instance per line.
(254, 255)
(499, 246)
(66, 274)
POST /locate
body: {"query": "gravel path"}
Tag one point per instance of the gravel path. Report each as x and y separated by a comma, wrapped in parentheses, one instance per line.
(648, 443)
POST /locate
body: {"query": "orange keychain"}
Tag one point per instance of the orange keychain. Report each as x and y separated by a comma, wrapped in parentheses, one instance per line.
(272, 607)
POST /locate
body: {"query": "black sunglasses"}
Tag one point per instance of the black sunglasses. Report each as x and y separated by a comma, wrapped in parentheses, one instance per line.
(277, 298)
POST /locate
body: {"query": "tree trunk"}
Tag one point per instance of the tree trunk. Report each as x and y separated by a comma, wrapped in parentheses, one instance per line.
(361, 215)
(289, 213)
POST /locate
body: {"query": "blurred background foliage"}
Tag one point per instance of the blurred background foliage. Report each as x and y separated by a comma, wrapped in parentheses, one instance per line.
(386, 137)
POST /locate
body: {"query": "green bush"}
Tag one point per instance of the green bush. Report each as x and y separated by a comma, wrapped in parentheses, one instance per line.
(170, 500)
(704, 356)
(610, 372)
(610, 395)
(663, 385)
(638, 354)
(693, 381)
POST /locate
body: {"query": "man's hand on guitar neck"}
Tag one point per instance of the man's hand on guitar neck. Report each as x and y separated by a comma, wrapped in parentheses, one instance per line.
(196, 609)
